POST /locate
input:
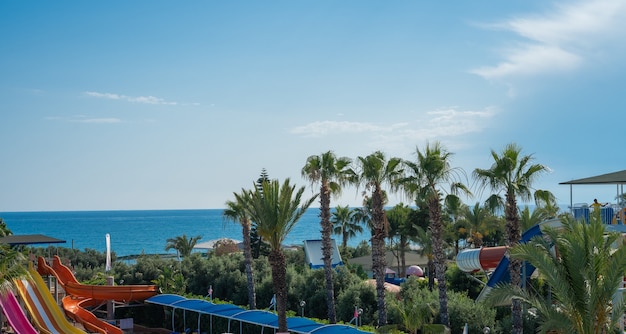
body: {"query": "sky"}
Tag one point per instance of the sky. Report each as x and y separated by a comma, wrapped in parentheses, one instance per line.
(124, 105)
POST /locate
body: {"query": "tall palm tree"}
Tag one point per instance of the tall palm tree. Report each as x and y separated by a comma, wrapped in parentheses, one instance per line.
(375, 173)
(235, 212)
(584, 275)
(182, 245)
(276, 209)
(345, 224)
(432, 171)
(332, 173)
(513, 174)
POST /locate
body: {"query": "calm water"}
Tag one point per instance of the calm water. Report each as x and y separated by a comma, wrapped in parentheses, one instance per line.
(134, 232)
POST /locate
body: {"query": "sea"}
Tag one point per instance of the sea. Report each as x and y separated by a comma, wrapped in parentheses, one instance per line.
(146, 231)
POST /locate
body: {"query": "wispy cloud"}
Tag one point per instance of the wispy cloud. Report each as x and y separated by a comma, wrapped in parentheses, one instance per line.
(451, 125)
(97, 120)
(445, 123)
(135, 99)
(322, 128)
(85, 119)
(560, 40)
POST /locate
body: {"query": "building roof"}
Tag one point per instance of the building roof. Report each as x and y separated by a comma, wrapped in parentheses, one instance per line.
(610, 178)
(28, 239)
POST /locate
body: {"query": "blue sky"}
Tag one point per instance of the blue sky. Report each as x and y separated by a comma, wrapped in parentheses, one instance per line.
(176, 105)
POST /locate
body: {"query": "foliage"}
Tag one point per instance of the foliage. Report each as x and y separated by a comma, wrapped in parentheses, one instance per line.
(170, 281)
(362, 296)
(584, 275)
(460, 281)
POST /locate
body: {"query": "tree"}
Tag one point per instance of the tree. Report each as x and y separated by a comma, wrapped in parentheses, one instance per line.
(403, 228)
(584, 275)
(276, 209)
(182, 245)
(332, 173)
(512, 174)
(235, 211)
(345, 224)
(479, 222)
(430, 173)
(375, 172)
(170, 281)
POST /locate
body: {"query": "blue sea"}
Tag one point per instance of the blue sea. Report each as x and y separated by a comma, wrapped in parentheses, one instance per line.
(145, 231)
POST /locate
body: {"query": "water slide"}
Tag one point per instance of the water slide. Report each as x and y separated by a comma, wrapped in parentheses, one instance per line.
(121, 293)
(39, 302)
(490, 258)
(81, 297)
(15, 314)
(76, 308)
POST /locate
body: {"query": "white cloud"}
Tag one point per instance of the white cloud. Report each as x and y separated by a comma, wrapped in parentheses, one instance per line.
(445, 123)
(97, 120)
(560, 40)
(135, 99)
(85, 119)
(317, 129)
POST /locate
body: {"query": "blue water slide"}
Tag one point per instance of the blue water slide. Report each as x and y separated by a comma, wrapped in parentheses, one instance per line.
(501, 274)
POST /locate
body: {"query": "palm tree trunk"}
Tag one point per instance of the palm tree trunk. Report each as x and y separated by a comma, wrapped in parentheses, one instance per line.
(378, 253)
(279, 278)
(247, 252)
(327, 250)
(436, 229)
(515, 265)
(403, 255)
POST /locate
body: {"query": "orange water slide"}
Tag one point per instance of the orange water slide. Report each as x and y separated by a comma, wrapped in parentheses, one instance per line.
(76, 307)
(121, 293)
(80, 296)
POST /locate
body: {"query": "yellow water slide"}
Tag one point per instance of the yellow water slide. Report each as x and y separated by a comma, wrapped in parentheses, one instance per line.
(42, 307)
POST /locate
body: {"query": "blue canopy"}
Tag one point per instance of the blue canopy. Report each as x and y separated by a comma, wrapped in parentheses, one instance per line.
(256, 317)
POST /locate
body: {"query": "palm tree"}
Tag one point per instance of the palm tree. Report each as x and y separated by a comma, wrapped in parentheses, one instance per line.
(345, 224)
(182, 245)
(375, 172)
(513, 174)
(235, 212)
(584, 275)
(479, 222)
(431, 171)
(332, 173)
(276, 209)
